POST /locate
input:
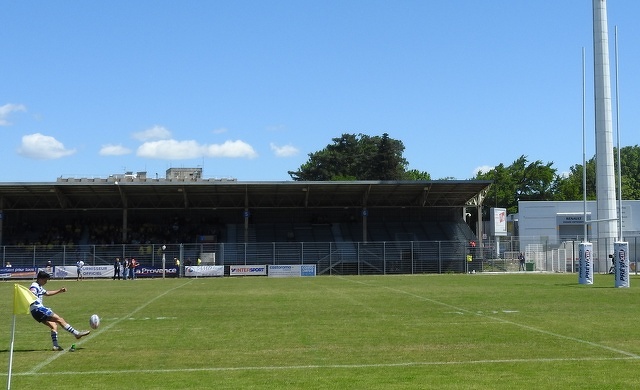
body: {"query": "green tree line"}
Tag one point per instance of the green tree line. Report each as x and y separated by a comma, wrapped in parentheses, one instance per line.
(364, 157)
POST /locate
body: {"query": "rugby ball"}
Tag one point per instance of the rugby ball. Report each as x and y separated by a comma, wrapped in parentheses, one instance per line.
(94, 321)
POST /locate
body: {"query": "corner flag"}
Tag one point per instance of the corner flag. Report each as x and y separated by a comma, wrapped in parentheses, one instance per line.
(22, 299)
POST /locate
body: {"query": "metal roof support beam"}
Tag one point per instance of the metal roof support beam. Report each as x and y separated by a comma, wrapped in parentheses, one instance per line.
(306, 190)
(125, 214)
(246, 214)
(62, 199)
(425, 195)
(185, 198)
(365, 195)
(125, 222)
(365, 212)
(479, 198)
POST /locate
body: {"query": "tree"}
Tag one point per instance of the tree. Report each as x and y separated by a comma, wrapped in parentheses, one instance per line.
(362, 157)
(388, 163)
(519, 181)
(630, 164)
(355, 157)
(414, 174)
(570, 187)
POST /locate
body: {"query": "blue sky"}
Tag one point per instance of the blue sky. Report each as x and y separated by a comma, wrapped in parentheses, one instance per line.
(247, 89)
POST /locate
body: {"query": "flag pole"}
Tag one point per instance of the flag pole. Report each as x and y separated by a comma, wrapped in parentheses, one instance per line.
(22, 298)
(13, 336)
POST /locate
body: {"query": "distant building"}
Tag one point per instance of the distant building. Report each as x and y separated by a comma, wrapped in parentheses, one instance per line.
(187, 174)
(560, 221)
(549, 225)
(172, 174)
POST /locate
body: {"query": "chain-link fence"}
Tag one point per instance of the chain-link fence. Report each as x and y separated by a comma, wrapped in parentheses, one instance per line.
(334, 258)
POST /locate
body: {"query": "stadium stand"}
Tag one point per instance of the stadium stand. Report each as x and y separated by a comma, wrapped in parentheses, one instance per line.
(351, 216)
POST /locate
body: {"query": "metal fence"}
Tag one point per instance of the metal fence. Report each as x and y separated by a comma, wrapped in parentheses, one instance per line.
(330, 258)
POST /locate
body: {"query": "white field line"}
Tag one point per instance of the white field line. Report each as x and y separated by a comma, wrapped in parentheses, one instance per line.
(95, 333)
(327, 366)
(628, 355)
(528, 327)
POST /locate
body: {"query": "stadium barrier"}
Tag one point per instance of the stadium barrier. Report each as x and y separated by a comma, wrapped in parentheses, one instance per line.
(329, 258)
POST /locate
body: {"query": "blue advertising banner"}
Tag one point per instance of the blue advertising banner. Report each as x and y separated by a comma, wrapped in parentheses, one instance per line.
(18, 273)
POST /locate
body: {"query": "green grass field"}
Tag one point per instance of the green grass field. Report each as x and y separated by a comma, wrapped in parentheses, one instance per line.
(501, 331)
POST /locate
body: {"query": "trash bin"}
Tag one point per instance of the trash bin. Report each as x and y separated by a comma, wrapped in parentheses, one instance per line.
(529, 266)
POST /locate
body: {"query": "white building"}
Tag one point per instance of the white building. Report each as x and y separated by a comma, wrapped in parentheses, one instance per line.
(560, 226)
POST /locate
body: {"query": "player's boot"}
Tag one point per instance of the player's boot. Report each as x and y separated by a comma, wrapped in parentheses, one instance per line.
(57, 348)
(82, 334)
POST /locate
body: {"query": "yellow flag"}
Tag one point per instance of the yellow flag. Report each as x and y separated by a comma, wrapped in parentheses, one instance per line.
(22, 299)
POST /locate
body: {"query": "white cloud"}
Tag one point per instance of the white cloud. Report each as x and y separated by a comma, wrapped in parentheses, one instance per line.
(233, 149)
(483, 169)
(43, 147)
(154, 133)
(8, 109)
(114, 150)
(183, 150)
(284, 151)
(220, 130)
(170, 149)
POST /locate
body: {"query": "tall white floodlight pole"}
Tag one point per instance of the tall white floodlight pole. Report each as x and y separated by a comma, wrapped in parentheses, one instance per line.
(605, 172)
(621, 248)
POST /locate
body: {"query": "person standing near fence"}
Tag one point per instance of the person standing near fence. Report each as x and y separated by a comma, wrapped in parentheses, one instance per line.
(612, 270)
(132, 268)
(177, 263)
(522, 261)
(125, 268)
(116, 268)
(79, 267)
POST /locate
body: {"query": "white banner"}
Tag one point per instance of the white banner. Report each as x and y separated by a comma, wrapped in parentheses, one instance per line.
(498, 223)
(247, 270)
(283, 271)
(585, 265)
(621, 257)
(88, 271)
(204, 270)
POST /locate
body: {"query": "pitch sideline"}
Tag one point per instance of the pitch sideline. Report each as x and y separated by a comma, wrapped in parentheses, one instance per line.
(328, 366)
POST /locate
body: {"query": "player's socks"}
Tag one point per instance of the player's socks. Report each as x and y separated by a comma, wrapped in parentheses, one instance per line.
(54, 338)
(70, 329)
